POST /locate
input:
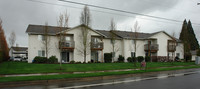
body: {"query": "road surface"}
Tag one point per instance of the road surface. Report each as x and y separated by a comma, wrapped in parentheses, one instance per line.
(191, 80)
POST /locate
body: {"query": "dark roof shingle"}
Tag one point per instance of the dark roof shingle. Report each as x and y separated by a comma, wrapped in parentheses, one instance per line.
(39, 29)
(53, 30)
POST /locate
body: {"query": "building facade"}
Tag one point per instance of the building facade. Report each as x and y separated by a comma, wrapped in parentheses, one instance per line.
(100, 42)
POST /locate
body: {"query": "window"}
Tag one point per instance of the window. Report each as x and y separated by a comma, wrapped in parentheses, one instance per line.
(67, 38)
(41, 37)
(132, 54)
(177, 54)
(133, 42)
(94, 39)
(41, 53)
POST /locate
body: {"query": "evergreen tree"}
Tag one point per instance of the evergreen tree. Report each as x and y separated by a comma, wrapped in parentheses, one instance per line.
(184, 36)
(194, 45)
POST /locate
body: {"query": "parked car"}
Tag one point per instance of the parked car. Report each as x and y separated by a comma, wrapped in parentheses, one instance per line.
(11, 59)
(24, 59)
(18, 58)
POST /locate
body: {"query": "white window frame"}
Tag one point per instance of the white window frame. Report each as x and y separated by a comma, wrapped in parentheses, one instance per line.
(41, 53)
(67, 38)
(41, 38)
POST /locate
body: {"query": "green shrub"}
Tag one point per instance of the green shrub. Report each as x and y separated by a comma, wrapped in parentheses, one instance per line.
(107, 57)
(121, 58)
(188, 57)
(140, 58)
(72, 62)
(147, 59)
(78, 62)
(130, 59)
(52, 60)
(38, 59)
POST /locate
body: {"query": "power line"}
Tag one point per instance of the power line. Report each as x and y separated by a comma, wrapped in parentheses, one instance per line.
(119, 10)
(135, 13)
(106, 12)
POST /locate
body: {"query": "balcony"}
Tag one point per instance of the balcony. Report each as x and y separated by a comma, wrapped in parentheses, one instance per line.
(67, 45)
(171, 48)
(96, 45)
(151, 47)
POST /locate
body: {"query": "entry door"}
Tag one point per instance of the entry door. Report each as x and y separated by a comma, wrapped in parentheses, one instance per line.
(65, 57)
(95, 56)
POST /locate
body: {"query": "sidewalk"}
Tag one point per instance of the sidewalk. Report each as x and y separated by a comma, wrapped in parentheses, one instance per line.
(39, 74)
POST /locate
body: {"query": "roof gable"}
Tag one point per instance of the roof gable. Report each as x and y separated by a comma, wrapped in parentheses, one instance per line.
(153, 34)
(82, 25)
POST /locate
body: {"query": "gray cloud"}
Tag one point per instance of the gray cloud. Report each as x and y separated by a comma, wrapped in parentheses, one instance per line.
(17, 14)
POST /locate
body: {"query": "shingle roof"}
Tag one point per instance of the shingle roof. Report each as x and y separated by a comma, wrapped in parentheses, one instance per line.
(108, 34)
(20, 48)
(53, 30)
(39, 29)
(125, 34)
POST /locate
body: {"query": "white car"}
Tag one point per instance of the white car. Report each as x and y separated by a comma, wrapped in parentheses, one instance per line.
(17, 58)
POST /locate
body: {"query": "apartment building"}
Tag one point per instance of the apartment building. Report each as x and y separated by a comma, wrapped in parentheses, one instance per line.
(100, 42)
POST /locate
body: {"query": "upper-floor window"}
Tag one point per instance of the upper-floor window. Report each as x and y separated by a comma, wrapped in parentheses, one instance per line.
(41, 38)
(67, 38)
(95, 39)
(133, 41)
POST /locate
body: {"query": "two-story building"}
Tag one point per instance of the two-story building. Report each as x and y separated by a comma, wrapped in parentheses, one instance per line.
(147, 44)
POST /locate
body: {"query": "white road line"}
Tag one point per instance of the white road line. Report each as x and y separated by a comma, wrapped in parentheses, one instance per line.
(127, 81)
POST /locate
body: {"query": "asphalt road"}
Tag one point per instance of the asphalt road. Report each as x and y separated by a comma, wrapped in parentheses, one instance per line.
(180, 82)
(191, 81)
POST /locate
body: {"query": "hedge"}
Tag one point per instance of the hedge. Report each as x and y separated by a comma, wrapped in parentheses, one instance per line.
(107, 57)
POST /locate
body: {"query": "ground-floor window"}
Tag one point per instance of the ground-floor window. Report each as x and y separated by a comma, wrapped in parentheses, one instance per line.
(177, 54)
(132, 54)
(41, 53)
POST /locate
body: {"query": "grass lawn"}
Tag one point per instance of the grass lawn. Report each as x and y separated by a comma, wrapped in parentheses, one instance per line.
(65, 76)
(26, 68)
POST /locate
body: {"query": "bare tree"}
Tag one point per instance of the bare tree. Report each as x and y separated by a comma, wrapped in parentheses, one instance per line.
(135, 36)
(174, 46)
(46, 39)
(12, 40)
(62, 27)
(85, 19)
(115, 48)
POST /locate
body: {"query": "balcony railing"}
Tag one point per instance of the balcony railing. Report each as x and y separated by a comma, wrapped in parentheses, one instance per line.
(171, 48)
(151, 47)
(96, 45)
(67, 45)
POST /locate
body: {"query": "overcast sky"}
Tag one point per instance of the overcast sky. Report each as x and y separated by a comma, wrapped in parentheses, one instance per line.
(18, 14)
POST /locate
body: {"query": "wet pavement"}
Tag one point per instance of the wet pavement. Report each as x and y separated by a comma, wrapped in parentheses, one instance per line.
(180, 79)
(180, 82)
